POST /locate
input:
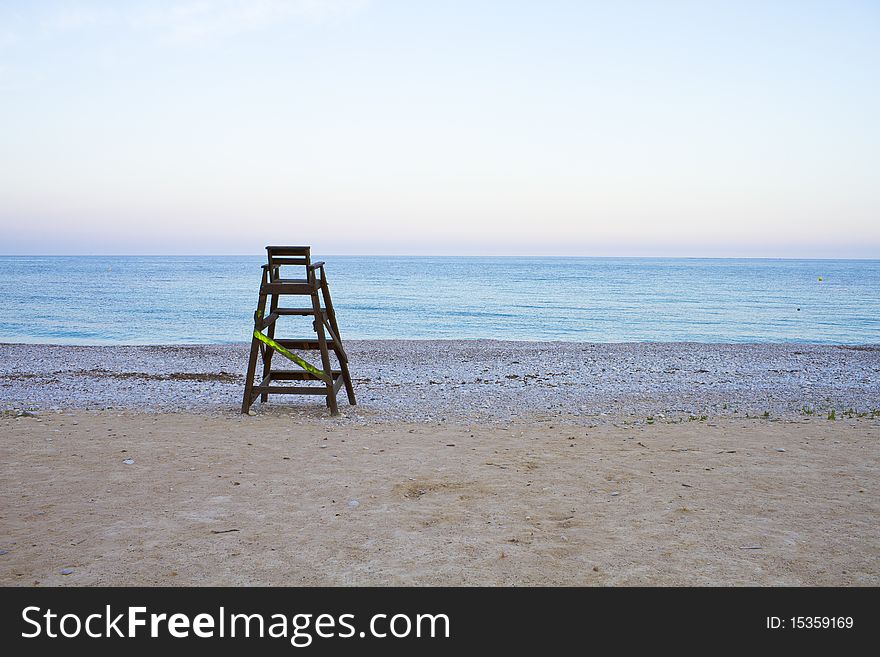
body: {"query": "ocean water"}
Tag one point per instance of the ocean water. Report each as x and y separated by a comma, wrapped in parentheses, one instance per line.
(176, 300)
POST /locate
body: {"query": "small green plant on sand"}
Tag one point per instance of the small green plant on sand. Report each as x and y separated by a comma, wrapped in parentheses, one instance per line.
(766, 414)
(650, 419)
(832, 415)
(807, 411)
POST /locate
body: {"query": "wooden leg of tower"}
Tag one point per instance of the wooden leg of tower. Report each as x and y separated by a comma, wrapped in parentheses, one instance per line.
(267, 356)
(249, 380)
(325, 353)
(255, 352)
(343, 359)
(349, 388)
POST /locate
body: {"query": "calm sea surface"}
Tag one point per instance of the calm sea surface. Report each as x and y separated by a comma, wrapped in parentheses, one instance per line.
(163, 300)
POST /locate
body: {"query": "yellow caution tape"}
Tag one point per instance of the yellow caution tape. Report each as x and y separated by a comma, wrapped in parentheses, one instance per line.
(308, 367)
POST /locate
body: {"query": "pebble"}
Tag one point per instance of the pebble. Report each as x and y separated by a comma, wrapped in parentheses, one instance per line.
(67, 571)
(354, 504)
(128, 461)
(615, 494)
(595, 383)
(780, 449)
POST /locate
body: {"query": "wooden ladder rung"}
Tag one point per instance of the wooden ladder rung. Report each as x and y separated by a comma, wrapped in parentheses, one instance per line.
(279, 287)
(304, 344)
(290, 261)
(288, 390)
(297, 375)
(298, 311)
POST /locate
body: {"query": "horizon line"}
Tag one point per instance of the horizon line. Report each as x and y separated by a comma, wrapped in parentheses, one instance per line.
(428, 255)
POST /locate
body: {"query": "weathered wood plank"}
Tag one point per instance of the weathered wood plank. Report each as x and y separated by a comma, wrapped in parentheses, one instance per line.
(292, 390)
(295, 375)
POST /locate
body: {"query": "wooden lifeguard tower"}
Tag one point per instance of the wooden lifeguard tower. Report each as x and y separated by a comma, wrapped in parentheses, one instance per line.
(264, 344)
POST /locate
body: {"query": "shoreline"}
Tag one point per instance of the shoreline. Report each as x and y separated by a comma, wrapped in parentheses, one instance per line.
(462, 380)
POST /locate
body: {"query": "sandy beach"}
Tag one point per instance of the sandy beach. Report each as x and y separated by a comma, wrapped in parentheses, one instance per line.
(465, 463)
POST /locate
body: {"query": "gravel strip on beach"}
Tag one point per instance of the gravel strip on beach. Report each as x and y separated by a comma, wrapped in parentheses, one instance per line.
(479, 380)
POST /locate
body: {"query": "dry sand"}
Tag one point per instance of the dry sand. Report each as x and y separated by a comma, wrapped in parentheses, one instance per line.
(223, 499)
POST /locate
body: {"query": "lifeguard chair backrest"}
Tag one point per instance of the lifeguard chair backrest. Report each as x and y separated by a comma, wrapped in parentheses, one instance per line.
(290, 255)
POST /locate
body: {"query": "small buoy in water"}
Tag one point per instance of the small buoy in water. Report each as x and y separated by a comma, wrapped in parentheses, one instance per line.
(799, 309)
(821, 279)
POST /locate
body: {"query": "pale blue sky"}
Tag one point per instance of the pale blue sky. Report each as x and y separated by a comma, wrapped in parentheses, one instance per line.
(390, 126)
